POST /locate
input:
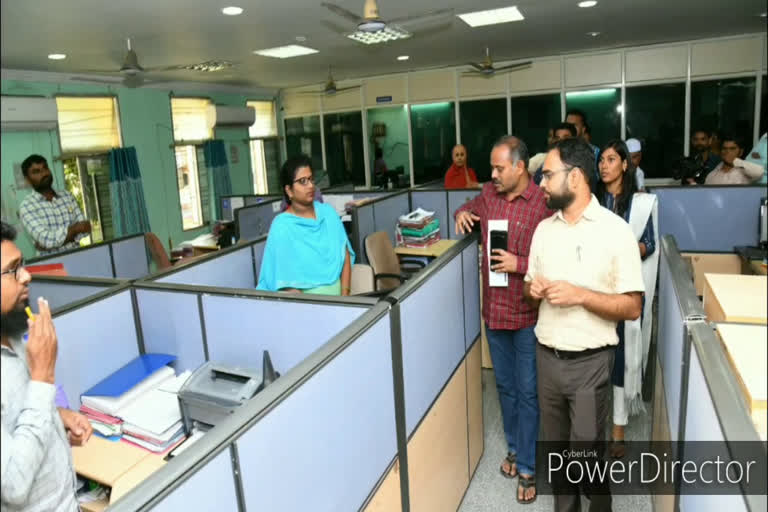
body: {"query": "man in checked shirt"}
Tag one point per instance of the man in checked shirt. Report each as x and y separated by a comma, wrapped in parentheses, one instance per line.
(509, 320)
(53, 219)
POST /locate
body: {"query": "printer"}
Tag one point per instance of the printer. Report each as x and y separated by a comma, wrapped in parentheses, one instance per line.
(214, 391)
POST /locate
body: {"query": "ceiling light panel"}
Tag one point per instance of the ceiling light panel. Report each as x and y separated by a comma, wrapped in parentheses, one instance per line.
(587, 4)
(491, 17)
(389, 33)
(232, 11)
(403, 57)
(57, 56)
(285, 52)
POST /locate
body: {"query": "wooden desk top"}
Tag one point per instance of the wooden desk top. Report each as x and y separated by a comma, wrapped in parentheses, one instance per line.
(758, 267)
(736, 298)
(435, 250)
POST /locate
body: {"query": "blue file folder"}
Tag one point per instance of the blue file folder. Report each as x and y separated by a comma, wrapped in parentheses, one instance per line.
(130, 375)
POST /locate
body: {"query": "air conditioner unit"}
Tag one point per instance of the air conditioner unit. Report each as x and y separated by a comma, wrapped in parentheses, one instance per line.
(235, 116)
(28, 113)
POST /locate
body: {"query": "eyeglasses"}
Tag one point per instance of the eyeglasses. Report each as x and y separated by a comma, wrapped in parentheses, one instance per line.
(305, 180)
(546, 176)
(16, 271)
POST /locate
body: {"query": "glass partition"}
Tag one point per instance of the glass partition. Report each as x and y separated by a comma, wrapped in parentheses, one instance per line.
(482, 123)
(388, 130)
(603, 110)
(725, 106)
(302, 135)
(344, 148)
(533, 117)
(656, 117)
(433, 130)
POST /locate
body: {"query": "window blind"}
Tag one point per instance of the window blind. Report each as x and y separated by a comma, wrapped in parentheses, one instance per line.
(265, 124)
(193, 119)
(88, 124)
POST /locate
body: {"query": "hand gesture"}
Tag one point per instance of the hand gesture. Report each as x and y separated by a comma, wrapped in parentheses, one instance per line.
(505, 261)
(78, 427)
(42, 345)
(563, 293)
(464, 222)
(539, 287)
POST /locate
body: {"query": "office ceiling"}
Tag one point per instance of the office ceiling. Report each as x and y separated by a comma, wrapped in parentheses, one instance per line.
(178, 32)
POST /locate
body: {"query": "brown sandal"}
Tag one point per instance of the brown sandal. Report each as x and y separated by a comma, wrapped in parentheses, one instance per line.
(526, 483)
(511, 459)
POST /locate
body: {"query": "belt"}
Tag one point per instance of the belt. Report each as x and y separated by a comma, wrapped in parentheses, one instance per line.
(576, 354)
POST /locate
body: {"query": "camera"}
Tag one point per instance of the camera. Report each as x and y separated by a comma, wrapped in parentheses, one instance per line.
(687, 168)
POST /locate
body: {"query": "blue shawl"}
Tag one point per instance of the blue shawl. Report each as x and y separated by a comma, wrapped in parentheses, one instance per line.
(304, 253)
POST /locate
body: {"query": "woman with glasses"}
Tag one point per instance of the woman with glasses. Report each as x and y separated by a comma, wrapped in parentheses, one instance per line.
(307, 248)
(617, 191)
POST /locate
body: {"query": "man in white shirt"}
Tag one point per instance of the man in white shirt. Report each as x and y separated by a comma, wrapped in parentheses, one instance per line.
(635, 155)
(733, 170)
(584, 275)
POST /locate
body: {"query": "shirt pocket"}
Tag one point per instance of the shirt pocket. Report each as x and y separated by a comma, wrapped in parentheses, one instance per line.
(521, 233)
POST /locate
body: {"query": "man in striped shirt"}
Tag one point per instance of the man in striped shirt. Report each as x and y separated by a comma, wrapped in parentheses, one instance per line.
(53, 219)
(509, 319)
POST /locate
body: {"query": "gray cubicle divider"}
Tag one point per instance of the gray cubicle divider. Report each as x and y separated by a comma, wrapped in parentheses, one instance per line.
(457, 198)
(380, 214)
(253, 221)
(710, 218)
(232, 202)
(60, 291)
(122, 258)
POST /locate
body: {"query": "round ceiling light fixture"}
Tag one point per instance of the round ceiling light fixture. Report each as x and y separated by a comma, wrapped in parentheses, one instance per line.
(232, 10)
(587, 4)
(57, 56)
(593, 34)
(403, 57)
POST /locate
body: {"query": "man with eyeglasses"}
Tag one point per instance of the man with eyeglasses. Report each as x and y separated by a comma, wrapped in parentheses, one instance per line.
(584, 275)
(37, 471)
(52, 218)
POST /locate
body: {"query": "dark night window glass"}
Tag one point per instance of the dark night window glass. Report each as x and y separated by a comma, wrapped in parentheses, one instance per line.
(482, 123)
(344, 148)
(533, 117)
(302, 135)
(433, 130)
(725, 106)
(602, 108)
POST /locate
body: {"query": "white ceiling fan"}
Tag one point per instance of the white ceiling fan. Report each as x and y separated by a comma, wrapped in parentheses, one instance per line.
(330, 87)
(372, 23)
(485, 68)
(134, 74)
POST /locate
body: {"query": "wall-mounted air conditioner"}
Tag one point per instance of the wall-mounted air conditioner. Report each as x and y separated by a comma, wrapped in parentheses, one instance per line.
(28, 113)
(235, 116)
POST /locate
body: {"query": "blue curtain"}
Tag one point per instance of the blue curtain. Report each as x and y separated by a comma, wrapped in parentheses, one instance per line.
(129, 210)
(218, 170)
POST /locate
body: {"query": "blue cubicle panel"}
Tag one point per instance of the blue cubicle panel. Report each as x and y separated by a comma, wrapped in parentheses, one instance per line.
(434, 201)
(671, 336)
(170, 324)
(344, 416)
(130, 257)
(60, 294)
(471, 283)
(432, 320)
(94, 341)
(210, 488)
(238, 329)
(365, 226)
(253, 221)
(457, 198)
(231, 270)
(710, 218)
(257, 251)
(387, 211)
(91, 262)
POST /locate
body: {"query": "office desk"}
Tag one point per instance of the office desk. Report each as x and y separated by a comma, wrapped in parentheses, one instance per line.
(198, 250)
(735, 298)
(758, 268)
(752, 260)
(433, 251)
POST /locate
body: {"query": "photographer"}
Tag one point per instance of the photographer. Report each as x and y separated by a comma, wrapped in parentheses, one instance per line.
(733, 170)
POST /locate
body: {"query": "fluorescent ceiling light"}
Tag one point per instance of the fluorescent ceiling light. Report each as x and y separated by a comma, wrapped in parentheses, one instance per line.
(763, 15)
(593, 34)
(491, 17)
(232, 11)
(285, 52)
(388, 33)
(57, 56)
(403, 57)
(593, 92)
(588, 3)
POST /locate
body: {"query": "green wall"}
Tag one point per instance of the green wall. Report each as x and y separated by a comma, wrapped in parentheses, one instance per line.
(145, 118)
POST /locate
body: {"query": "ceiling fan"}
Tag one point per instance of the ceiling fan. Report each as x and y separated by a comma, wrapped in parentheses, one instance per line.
(370, 22)
(134, 74)
(330, 87)
(486, 68)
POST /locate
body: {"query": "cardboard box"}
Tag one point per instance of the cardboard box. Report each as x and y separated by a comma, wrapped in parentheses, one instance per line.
(736, 298)
(711, 263)
(116, 465)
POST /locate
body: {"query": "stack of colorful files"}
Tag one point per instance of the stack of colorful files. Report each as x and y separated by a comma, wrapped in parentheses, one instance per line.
(418, 229)
(138, 404)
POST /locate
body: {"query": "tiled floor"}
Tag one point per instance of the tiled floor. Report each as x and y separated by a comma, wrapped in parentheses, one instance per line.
(491, 492)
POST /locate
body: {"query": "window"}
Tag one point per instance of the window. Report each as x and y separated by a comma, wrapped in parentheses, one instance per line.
(726, 106)
(603, 110)
(763, 107)
(482, 123)
(533, 117)
(193, 120)
(433, 130)
(656, 117)
(302, 135)
(344, 148)
(388, 130)
(264, 147)
(87, 178)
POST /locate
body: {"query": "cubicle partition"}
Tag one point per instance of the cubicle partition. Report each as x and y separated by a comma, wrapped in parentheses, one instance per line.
(696, 216)
(381, 214)
(231, 203)
(697, 396)
(61, 291)
(122, 258)
(252, 222)
(444, 203)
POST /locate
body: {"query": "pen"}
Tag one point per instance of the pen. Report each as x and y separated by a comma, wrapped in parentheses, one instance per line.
(29, 313)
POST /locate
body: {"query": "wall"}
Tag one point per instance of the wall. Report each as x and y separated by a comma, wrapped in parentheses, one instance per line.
(145, 118)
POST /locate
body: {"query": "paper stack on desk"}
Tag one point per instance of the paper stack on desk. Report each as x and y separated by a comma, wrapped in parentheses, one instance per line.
(418, 229)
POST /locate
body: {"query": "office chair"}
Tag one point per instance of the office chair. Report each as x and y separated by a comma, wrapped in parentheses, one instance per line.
(361, 280)
(387, 271)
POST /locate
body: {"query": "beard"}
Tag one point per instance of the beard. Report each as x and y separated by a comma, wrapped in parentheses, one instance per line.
(560, 201)
(44, 185)
(14, 323)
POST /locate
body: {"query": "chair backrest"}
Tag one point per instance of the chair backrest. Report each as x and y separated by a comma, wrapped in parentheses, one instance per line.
(361, 280)
(156, 249)
(383, 259)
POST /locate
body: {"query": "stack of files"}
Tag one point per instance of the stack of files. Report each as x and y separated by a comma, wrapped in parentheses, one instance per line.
(107, 426)
(418, 229)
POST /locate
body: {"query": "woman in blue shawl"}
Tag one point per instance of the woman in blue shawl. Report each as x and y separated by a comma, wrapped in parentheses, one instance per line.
(307, 248)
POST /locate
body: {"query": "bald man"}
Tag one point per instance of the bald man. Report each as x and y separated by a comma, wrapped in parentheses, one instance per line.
(459, 175)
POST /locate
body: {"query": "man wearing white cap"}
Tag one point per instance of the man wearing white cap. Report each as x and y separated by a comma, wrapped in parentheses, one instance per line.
(635, 155)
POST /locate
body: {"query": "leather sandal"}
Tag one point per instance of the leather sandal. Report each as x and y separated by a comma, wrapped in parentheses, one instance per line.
(526, 483)
(512, 461)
